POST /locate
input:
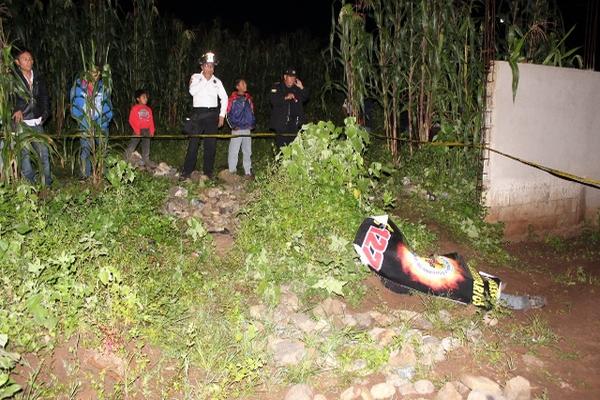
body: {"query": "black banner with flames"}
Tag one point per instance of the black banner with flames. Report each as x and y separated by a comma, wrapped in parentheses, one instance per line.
(382, 246)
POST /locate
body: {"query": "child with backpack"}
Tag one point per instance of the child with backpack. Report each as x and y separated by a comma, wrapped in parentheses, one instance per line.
(142, 122)
(240, 117)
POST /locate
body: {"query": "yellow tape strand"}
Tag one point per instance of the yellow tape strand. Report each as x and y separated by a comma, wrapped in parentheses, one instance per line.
(561, 174)
(587, 181)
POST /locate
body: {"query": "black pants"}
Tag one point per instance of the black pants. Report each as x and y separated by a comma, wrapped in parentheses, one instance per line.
(206, 121)
(290, 131)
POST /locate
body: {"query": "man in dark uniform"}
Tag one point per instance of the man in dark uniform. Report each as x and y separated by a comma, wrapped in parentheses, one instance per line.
(287, 113)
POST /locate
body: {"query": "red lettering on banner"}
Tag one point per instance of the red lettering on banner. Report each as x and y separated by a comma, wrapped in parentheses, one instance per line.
(375, 243)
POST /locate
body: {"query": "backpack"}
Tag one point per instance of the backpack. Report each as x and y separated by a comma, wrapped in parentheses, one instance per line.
(240, 114)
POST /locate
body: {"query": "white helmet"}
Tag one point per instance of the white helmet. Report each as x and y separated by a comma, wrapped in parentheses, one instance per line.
(209, 57)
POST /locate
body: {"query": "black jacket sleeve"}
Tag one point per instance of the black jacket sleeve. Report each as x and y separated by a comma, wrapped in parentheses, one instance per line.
(43, 100)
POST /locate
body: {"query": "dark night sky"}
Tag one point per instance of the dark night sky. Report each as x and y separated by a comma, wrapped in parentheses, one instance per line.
(286, 16)
(313, 15)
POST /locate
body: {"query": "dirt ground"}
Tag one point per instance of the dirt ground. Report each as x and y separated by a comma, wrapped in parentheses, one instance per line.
(567, 369)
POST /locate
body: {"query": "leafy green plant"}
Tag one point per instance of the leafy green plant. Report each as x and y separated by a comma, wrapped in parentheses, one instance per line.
(119, 172)
(8, 360)
(195, 229)
(333, 184)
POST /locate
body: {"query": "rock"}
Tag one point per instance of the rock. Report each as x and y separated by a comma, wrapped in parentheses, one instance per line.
(330, 361)
(383, 391)
(407, 315)
(351, 393)
(448, 392)
(287, 352)
(382, 336)
(517, 388)
(461, 388)
(395, 380)
(281, 315)
(421, 323)
(532, 361)
(489, 320)
(330, 307)
(213, 193)
(178, 207)
(424, 386)
(477, 395)
(303, 322)
(408, 356)
(395, 360)
(445, 316)
(405, 374)
(299, 392)
(363, 320)
(290, 300)
(258, 312)
(228, 177)
(178, 191)
(319, 397)
(164, 169)
(481, 384)
(432, 350)
(109, 362)
(381, 319)
(450, 343)
(365, 394)
(407, 389)
(349, 321)
(196, 203)
(474, 335)
(198, 177)
(322, 326)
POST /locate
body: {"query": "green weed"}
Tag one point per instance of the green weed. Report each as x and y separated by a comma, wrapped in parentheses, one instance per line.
(576, 275)
(536, 332)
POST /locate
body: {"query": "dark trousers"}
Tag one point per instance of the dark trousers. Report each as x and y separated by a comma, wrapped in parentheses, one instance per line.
(290, 131)
(206, 121)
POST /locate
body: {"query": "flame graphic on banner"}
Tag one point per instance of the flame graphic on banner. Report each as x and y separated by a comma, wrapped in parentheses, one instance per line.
(438, 273)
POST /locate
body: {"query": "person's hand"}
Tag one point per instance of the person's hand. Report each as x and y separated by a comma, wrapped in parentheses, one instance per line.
(18, 116)
(299, 83)
(221, 121)
(290, 96)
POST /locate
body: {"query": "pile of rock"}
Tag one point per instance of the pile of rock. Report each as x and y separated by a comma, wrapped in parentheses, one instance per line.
(296, 337)
(217, 207)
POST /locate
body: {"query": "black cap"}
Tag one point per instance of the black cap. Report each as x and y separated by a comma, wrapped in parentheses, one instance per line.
(291, 71)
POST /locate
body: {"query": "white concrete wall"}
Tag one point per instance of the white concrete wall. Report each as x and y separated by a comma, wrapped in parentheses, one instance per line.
(554, 121)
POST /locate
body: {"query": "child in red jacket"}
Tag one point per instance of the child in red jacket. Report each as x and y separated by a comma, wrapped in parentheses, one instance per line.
(142, 122)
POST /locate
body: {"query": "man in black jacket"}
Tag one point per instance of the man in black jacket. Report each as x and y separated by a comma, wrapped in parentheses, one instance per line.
(32, 111)
(287, 113)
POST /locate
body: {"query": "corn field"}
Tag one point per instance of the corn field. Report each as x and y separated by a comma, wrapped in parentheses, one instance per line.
(420, 61)
(159, 53)
(423, 60)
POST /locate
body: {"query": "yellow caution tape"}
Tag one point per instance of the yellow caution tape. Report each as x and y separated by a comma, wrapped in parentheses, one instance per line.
(555, 172)
(558, 173)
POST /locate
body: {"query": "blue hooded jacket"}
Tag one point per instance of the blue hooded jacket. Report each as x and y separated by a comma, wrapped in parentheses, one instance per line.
(102, 111)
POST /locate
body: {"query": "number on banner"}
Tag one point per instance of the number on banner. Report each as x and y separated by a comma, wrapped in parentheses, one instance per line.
(374, 245)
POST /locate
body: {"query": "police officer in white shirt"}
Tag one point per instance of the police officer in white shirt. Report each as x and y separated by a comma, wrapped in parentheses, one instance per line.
(206, 90)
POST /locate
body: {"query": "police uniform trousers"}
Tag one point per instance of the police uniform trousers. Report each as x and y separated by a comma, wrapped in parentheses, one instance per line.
(206, 121)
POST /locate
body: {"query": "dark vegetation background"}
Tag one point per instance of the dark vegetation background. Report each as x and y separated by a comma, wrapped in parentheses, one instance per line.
(147, 46)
